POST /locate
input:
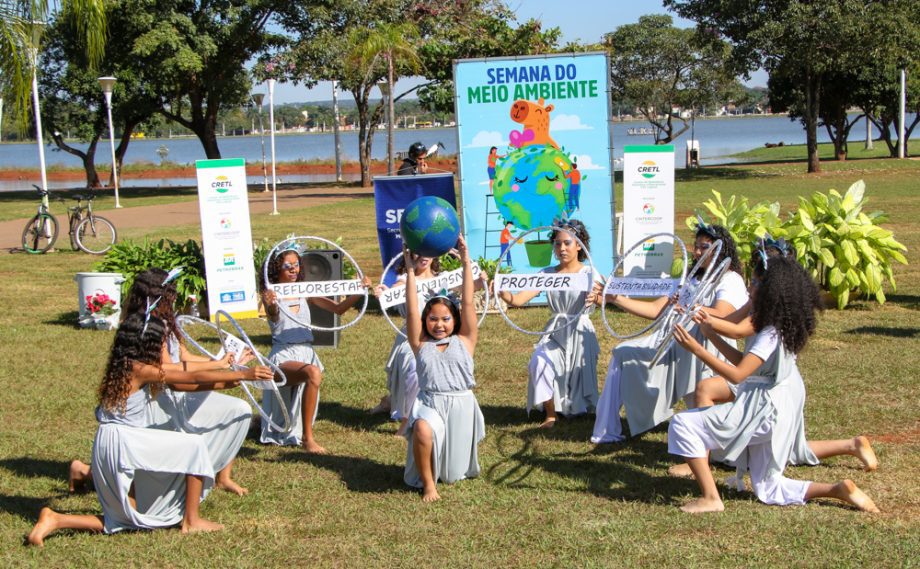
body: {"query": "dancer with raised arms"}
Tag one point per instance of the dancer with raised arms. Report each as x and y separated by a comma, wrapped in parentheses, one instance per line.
(445, 423)
(176, 466)
(758, 429)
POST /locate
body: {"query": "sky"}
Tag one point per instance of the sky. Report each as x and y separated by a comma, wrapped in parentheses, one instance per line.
(591, 20)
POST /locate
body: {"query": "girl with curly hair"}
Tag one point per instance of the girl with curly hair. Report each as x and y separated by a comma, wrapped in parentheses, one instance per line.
(759, 428)
(222, 419)
(648, 394)
(292, 351)
(145, 478)
(563, 367)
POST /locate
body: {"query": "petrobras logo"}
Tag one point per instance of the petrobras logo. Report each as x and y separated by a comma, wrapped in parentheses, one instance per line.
(649, 169)
(221, 184)
(648, 246)
(648, 209)
(229, 259)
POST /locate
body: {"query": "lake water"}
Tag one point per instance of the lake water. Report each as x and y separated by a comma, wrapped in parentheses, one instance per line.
(718, 139)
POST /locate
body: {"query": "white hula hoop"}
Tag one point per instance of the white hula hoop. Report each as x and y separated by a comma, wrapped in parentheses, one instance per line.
(386, 314)
(222, 335)
(570, 318)
(702, 291)
(683, 279)
(283, 308)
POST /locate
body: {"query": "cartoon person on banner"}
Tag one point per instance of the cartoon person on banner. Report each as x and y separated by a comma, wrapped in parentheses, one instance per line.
(505, 240)
(574, 177)
(493, 159)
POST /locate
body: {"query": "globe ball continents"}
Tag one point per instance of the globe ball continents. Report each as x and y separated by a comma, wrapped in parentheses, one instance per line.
(530, 186)
(429, 226)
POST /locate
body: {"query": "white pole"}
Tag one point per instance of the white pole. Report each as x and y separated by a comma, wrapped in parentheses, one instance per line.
(1, 119)
(38, 124)
(108, 84)
(902, 144)
(335, 131)
(271, 120)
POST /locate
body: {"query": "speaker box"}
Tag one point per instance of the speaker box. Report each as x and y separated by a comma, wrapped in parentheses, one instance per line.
(323, 265)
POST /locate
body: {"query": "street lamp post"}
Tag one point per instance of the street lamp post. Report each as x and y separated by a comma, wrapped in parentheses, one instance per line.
(108, 85)
(271, 120)
(258, 99)
(335, 131)
(37, 27)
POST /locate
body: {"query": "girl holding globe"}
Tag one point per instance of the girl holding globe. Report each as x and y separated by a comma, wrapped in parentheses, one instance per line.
(292, 350)
(563, 368)
(445, 423)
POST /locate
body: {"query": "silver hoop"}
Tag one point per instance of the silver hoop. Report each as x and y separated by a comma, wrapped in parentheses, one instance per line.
(222, 335)
(570, 319)
(281, 305)
(665, 338)
(620, 261)
(386, 313)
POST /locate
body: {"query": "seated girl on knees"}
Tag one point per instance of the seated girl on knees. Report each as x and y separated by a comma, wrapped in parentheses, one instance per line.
(445, 423)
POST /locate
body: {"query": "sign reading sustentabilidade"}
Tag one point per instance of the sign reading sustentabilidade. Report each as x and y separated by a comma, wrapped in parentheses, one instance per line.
(226, 237)
(648, 208)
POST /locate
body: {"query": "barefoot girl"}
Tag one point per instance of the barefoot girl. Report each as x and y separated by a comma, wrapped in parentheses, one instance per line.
(563, 368)
(758, 429)
(292, 350)
(649, 394)
(445, 423)
(402, 380)
(222, 420)
(145, 478)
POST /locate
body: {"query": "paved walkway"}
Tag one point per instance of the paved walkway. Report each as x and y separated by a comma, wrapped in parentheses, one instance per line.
(186, 213)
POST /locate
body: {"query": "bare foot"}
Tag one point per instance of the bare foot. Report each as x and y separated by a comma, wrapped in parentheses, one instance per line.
(47, 523)
(681, 470)
(382, 407)
(703, 505)
(865, 454)
(847, 491)
(200, 525)
(80, 474)
(431, 494)
(231, 486)
(549, 423)
(312, 448)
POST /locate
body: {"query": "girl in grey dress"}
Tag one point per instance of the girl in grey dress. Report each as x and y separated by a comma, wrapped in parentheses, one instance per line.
(563, 368)
(445, 423)
(292, 350)
(757, 431)
(145, 478)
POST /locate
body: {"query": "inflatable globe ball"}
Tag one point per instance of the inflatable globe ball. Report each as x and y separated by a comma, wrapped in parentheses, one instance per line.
(429, 226)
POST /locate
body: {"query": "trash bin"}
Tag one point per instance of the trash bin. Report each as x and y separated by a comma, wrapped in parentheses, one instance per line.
(102, 291)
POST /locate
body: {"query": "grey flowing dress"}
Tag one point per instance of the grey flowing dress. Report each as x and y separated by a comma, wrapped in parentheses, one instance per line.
(447, 403)
(292, 340)
(568, 355)
(402, 378)
(156, 461)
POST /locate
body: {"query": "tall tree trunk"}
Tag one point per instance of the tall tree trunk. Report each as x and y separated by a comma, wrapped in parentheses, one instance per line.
(88, 158)
(812, 100)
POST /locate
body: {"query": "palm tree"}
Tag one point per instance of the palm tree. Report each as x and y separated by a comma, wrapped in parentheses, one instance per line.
(21, 25)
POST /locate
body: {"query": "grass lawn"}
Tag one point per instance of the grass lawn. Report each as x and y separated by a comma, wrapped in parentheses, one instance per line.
(543, 497)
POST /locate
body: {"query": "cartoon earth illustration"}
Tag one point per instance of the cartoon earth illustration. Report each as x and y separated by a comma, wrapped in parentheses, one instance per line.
(530, 187)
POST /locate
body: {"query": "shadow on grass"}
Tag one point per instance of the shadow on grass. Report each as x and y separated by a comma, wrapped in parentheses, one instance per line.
(68, 319)
(359, 474)
(25, 507)
(886, 331)
(29, 467)
(351, 417)
(509, 416)
(721, 173)
(909, 301)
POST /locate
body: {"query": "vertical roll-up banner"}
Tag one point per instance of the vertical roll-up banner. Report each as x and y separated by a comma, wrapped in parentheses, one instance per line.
(648, 208)
(534, 137)
(391, 196)
(226, 237)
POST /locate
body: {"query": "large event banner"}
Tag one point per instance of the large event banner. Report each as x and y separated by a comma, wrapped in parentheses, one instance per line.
(391, 196)
(648, 208)
(226, 237)
(534, 137)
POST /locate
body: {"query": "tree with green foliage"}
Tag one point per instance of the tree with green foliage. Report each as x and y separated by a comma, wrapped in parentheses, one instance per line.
(661, 67)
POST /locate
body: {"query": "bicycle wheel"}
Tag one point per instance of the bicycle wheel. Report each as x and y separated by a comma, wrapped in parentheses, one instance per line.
(74, 223)
(95, 235)
(40, 233)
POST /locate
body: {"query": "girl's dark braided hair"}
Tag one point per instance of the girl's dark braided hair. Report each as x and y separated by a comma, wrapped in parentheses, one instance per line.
(149, 285)
(787, 299)
(729, 251)
(133, 344)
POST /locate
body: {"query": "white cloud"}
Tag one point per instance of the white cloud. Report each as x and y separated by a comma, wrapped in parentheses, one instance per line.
(567, 122)
(487, 139)
(585, 163)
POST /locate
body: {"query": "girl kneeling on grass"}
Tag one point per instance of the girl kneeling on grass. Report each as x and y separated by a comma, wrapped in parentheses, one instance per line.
(445, 423)
(758, 428)
(145, 478)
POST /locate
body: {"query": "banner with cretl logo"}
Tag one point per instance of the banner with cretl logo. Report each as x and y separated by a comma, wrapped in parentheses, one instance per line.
(226, 237)
(648, 208)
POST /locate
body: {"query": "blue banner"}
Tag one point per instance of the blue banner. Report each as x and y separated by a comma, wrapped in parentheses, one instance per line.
(391, 196)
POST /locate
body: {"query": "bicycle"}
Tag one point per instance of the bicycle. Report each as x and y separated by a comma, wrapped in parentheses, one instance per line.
(89, 232)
